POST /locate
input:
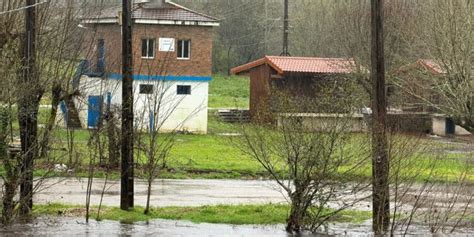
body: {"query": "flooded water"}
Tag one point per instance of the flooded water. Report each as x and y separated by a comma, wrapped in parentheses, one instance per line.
(67, 226)
(164, 192)
(181, 193)
(78, 227)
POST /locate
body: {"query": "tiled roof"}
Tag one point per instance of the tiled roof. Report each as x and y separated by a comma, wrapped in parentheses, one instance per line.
(110, 12)
(425, 64)
(301, 65)
(432, 66)
(169, 12)
(174, 14)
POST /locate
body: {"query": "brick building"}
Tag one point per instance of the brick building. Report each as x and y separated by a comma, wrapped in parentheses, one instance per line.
(172, 66)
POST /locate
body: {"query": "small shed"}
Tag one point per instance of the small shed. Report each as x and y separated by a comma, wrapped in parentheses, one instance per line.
(296, 74)
(416, 87)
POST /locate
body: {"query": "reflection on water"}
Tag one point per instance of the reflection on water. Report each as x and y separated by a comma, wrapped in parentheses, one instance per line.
(67, 226)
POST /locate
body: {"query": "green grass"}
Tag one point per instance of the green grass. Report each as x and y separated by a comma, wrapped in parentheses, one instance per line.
(210, 153)
(43, 116)
(229, 92)
(214, 156)
(224, 214)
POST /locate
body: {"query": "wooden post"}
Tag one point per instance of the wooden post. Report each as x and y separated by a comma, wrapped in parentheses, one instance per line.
(28, 103)
(380, 158)
(126, 191)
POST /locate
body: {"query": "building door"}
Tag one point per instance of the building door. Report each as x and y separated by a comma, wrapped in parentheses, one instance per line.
(450, 126)
(94, 111)
(151, 127)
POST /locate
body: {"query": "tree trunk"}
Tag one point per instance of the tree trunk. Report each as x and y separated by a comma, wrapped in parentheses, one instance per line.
(114, 141)
(55, 99)
(148, 196)
(297, 212)
(28, 113)
(11, 170)
(11, 184)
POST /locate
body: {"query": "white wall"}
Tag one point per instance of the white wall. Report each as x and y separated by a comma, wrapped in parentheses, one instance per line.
(88, 86)
(173, 112)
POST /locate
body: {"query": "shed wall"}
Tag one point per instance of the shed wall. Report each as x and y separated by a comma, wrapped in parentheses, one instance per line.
(260, 83)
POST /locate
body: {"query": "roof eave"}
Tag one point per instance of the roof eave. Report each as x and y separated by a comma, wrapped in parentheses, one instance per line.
(152, 22)
(187, 9)
(99, 21)
(176, 22)
(244, 69)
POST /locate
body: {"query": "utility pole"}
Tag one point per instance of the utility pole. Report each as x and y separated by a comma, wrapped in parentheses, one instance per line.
(266, 26)
(380, 157)
(28, 103)
(126, 191)
(286, 31)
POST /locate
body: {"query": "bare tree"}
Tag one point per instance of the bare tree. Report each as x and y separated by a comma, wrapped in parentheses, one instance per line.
(308, 157)
(445, 43)
(51, 67)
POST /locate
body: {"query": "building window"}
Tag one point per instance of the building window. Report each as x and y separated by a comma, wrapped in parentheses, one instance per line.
(146, 89)
(184, 90)
(148, 48)
(184, 49)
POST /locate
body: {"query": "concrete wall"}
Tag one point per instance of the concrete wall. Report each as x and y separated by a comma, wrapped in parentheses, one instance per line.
(439, 125)
(170, 112)
(327, 122)
(409, 123)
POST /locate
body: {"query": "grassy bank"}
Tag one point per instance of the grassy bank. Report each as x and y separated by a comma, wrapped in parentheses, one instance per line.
(224, 214)
(214, 156)
(229, 92)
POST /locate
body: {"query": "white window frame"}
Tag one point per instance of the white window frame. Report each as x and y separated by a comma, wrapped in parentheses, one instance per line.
(182, 41)
(148, 48)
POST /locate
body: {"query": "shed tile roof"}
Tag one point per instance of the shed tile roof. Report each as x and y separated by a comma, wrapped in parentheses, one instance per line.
(432, 66)
(301, 65)
(429, 65)
(171, 11)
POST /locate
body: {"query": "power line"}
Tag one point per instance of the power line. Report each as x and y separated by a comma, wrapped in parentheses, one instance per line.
(23, 8)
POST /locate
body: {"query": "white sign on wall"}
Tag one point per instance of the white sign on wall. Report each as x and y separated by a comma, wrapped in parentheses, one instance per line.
(166, 45)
